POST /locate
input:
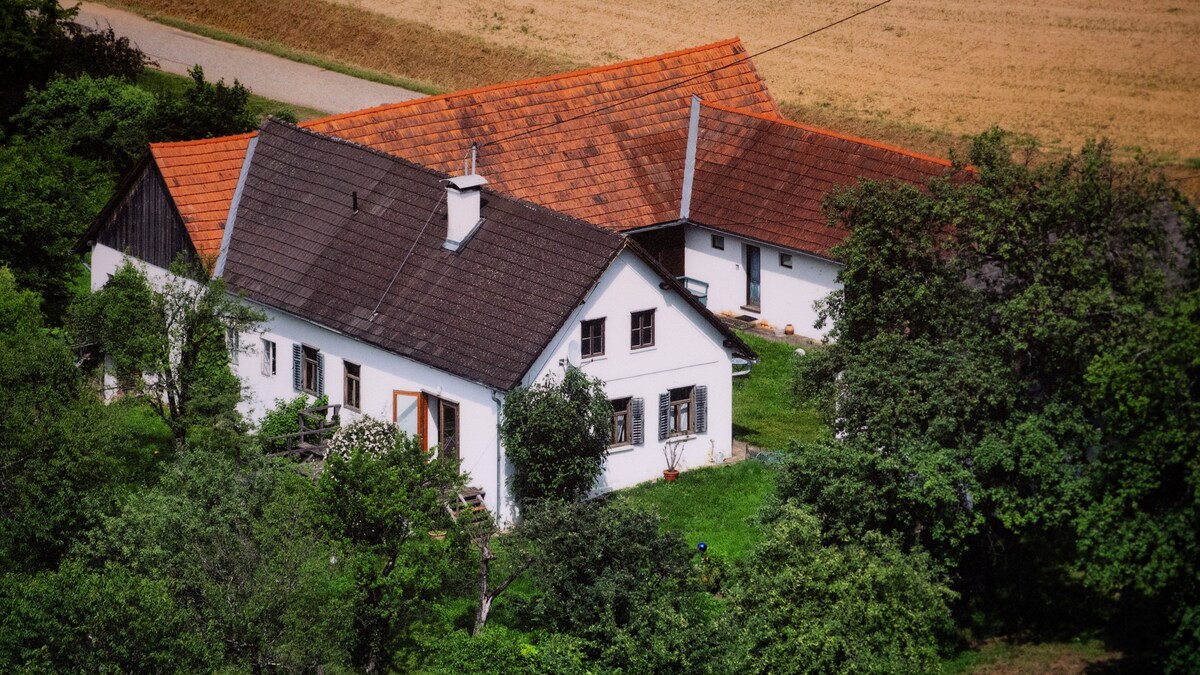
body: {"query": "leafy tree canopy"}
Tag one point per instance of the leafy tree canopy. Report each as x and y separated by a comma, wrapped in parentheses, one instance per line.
(556, 436)
(169, 344)
(1001, 340)
(106, 120)
(39, 38)
(48, 199)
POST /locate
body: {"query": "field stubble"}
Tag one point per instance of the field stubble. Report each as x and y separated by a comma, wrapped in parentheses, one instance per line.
(919, 73)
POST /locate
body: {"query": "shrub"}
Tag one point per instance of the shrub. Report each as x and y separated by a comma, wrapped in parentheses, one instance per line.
(556, 436)
(806, 606)
(284, 419)
(367, 434)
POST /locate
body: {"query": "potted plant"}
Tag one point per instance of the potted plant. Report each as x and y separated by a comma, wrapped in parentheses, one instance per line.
(672, 451)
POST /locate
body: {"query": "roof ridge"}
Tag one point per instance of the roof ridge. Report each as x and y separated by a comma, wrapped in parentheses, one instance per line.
(199, 141)
(831, 133)
(533, 80)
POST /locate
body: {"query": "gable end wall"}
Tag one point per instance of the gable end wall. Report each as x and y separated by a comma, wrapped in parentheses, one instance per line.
(146, 224)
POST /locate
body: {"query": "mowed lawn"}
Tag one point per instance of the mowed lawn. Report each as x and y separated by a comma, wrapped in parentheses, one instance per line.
(716, 504)
(764, 411)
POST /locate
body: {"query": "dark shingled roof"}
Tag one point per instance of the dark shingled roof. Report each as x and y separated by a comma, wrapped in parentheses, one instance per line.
(484, 313)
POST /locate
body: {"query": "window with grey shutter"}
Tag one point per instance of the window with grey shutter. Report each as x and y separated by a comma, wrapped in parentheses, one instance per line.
(320, 374)
(664, 413)
(297, 366)
(701, 409)
(639, 430)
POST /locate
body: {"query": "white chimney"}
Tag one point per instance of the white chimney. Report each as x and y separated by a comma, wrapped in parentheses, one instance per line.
(462, 208)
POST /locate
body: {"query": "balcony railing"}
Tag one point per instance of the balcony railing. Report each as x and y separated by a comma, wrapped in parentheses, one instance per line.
(695, 287)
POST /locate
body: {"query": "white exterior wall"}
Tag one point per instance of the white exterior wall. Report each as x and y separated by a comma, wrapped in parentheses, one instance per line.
(382, 373)
(106, 261)
(687, 351)
(788, 295)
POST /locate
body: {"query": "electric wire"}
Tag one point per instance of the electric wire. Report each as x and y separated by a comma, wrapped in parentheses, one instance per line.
(428, 219)
(684, 81)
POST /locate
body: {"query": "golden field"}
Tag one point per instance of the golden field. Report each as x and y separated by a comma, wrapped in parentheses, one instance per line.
(917, 72)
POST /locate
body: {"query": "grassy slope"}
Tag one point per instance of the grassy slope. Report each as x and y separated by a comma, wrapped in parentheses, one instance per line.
(713, 504)
(764, 413)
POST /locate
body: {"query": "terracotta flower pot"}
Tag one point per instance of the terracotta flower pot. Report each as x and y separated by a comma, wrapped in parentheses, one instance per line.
(670, 475)
(789, 329)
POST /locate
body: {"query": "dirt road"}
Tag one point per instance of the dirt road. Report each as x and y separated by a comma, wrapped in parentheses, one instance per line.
(271, 76)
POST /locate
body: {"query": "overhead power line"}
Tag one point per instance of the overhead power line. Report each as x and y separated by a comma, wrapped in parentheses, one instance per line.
(684, 81)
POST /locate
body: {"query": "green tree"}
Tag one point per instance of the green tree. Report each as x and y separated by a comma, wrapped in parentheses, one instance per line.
(39, 38)
(556, 436)
(381, 498)
(239, 547)
(973, 311)
(205, 110)
(608, 575)
(1140, 528)
(106, 120)
(169, 345)
(804, 606)
(47, 199)
(65, 459)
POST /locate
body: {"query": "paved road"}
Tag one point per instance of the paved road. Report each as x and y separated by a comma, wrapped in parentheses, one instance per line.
(266, 75)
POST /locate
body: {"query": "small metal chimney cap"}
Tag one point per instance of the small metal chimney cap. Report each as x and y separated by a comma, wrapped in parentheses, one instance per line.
(469, 182)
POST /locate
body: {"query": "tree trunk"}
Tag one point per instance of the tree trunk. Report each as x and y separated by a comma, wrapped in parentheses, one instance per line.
(485, 598)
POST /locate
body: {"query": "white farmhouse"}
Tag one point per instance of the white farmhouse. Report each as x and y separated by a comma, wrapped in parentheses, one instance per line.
(404, 295)
(685, 152)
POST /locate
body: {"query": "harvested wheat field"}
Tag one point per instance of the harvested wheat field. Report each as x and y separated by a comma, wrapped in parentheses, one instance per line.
(1062, 70)
(918, 72)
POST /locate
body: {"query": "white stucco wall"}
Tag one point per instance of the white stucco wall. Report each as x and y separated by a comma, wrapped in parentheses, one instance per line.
(687, 351)
(382, 373)
(787, 294)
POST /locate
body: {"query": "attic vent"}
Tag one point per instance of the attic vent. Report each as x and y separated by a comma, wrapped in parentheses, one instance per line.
(354, 200)
(462, 208)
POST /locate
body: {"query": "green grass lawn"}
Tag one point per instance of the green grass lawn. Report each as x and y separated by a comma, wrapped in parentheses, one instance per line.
(764, 411)
(157, 81)
(713, 504)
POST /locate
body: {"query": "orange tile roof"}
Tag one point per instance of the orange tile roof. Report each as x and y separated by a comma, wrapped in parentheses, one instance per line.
(764, 178)
(619, 167)
(201, 177)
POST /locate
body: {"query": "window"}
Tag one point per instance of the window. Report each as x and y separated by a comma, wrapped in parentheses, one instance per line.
(352, 394)
(680, 415)
(718, 242)
(231, 343)
(592, 342)
(268, 357)
(785, 260)
(620, 422)
(641, 328)
(447, 422)
(312, 371)
(683, 411)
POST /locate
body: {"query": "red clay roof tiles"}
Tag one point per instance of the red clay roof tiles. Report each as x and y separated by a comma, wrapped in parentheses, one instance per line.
(592, 168)
(620, 167)
(764, 178)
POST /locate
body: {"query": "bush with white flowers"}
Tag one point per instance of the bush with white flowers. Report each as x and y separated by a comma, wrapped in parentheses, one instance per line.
(372, 436)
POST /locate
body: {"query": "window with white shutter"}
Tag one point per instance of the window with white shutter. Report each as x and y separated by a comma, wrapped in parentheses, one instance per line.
(701, 414)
